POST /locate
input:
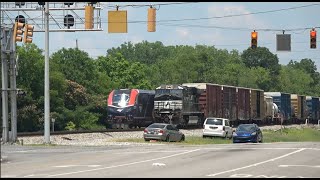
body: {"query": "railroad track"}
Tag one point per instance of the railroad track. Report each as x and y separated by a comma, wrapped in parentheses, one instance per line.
(28, 134)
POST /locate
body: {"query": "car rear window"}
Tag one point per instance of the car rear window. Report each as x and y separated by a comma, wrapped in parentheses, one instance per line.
(157, 126)
(214, 121)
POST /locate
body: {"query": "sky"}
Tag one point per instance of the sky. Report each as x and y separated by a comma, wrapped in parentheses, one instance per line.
(224, 33)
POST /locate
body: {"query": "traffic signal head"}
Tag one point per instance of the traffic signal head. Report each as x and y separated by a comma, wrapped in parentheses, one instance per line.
(313, 39)
(88, 24)
(151, 19)
(17, 31)
(254, 40)
(28, 33)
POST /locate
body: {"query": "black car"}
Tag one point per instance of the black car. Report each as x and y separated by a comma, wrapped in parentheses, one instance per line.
(247, 133)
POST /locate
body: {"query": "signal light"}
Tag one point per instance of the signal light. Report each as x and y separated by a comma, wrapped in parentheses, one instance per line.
(17, 31)
(88, 17)
(28, 33)
(313, 39)
(254, 39)
(151, 19)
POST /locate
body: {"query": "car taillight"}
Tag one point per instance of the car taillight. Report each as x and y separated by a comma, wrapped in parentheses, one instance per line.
(224, 128)
(145, 131)
(161, 131)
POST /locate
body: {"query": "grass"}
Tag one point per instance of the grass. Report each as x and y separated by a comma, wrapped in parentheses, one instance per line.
(284, 135)
(292, 135)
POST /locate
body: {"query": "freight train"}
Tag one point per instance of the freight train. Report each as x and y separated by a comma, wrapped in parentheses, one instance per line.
(130, 108)
(190, 103)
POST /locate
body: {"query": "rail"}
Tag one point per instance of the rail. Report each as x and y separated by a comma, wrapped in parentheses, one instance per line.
(77, 132)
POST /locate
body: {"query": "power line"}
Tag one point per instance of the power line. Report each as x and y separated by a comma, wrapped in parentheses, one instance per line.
(225, 16)
(148, 5)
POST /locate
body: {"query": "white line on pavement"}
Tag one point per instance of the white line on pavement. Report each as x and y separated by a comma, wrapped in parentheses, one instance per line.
(256, 164)
(115, 166)
(315, 166)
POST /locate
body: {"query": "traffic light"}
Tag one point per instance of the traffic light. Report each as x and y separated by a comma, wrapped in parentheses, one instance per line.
(254, 40)
(151, 19)
(17, 31)
(88, 17)
(313, 39)
(28, 33)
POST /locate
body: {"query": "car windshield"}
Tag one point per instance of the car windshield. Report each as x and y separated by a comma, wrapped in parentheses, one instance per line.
(161, 126)
(214, 121)
(249, 128)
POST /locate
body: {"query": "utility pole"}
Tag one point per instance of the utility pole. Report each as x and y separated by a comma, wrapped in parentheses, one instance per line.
(77, 43)
(13, 92)
(4, 74)
(46, 79)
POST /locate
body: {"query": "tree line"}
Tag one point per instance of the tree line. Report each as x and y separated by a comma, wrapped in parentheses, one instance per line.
(79, 84)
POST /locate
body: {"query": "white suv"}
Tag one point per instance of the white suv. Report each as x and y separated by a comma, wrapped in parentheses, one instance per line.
(217, 127)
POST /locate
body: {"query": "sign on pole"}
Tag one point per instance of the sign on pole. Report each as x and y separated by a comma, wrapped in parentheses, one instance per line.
(283, 42)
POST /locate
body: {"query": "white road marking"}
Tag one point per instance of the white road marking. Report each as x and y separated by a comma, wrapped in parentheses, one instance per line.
(64, 166)
(121, 165)
(151, 152)
(256, 164)
(31, 175)
(271, 148)
(316, 166)
(158, 164)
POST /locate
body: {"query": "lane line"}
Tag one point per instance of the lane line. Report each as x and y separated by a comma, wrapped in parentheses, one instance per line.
(64, 166)
(315, 166)
(256, 164)
(121, 165)
(273, 148)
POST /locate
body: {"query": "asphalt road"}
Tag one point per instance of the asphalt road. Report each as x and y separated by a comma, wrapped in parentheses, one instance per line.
(276, 160)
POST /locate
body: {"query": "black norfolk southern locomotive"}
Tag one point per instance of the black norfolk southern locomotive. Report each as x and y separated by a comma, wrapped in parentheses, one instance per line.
(130, 108)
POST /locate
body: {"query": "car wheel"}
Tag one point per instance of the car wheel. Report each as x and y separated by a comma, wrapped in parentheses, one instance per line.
(182, 138)
(204, 136)
(146, 140)
(261, 137)
(226, 136)
(168, 138)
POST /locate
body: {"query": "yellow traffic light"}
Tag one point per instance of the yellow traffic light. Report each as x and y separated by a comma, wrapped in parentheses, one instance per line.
(17, 31)
(313, 39)
(151, 19)
(88, 17)
(28, 33)
(254, 40)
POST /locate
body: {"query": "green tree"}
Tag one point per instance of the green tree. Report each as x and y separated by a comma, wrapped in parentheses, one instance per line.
(262, 57)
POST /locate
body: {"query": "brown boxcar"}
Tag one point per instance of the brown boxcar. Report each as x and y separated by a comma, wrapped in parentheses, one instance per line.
(243, 101)
(257, 110)
(213, 100)
(229, 102)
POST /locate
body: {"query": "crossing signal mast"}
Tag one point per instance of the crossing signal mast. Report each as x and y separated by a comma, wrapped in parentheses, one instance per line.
(313, 39)
(18, 26)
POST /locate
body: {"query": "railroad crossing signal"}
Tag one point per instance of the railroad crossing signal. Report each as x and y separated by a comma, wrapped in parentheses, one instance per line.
(28, 33)
(17, 31)
(254, 40)
(313, 39)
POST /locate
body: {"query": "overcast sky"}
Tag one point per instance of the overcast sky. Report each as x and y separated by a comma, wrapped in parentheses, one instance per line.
(234, 34)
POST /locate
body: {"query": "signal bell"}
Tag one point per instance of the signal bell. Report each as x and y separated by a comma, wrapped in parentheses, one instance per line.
(313, 39)
(254, 40)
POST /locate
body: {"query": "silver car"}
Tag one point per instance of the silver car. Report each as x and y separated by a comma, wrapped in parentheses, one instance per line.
(162, 132)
